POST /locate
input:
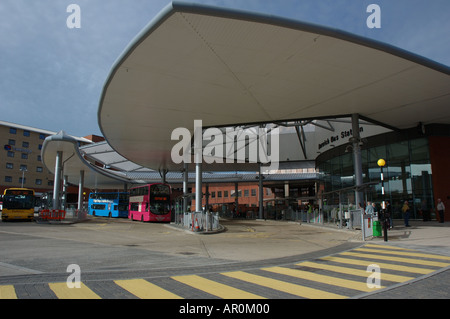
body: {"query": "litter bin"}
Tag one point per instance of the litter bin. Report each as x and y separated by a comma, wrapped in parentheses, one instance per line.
(377, 229)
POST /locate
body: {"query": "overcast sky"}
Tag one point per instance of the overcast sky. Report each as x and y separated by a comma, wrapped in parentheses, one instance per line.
(51, 77)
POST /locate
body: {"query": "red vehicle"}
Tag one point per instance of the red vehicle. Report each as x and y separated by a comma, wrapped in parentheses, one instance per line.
(150, 203)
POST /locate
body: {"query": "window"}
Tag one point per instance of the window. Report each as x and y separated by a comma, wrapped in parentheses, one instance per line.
(9, 165)
(225, 193)
(213, 195)
(41, 136)
(11, 142)
(254, 192)
(24, 156)
(26, 133)
(40, 146)
(8, 179)
(38, 181)
(12, 130)
(25, 144)
(219, 194)
(22, 180)
(10, 154)
(39, 158)
(246, 192)
(39, 169)
(23, 167)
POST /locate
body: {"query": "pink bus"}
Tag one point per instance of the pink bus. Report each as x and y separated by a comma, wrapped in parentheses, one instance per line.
(150, 203)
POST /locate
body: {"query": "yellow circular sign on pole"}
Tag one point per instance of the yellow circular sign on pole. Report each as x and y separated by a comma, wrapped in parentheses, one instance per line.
(381, 162)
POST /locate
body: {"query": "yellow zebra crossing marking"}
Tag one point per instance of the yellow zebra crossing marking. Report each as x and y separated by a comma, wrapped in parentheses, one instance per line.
(359, 262)
(145, 290)
(354, 272)
(297, 290)
(7, 292)
(63, 292)
(401, 253)
(330, 280)
(215, 288)
(398, 259)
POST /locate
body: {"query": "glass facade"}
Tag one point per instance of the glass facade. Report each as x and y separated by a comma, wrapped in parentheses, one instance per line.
(407, 175)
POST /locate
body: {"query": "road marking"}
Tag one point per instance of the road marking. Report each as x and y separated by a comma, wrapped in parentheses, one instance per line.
(279, 285)
(397, 259)
(329, 280)
(215, 288)
(145, 290)
(355, 272)
(401, 253)
(365, 263)
(7, 292)
(63, 292)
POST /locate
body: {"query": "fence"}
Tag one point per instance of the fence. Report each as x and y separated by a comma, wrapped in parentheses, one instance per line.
(198, 221)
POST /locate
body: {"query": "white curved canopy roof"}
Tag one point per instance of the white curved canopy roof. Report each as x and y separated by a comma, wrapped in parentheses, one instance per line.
(227, 67)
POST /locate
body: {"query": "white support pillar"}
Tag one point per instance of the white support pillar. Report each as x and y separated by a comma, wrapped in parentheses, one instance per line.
(57, 182)
(261, 194)
(185, 186)
(357, 161)
(80, 191)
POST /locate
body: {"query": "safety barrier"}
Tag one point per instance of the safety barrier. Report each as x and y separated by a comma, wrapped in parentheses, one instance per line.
(198, 221)
(52, 214)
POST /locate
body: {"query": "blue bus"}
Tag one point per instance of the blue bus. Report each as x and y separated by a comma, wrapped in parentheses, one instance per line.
(108, 204)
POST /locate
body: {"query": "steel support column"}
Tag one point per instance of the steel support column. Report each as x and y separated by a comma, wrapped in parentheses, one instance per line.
(57, 182)
(357, 160)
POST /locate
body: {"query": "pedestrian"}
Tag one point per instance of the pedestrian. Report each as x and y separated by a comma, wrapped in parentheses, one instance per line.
(369, 208)
(406, 212)
(388, 214)
(441, 210)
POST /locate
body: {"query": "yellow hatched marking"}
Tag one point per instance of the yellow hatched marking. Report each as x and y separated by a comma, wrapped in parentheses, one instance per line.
(63, 292)
(365, 263)
(279, 285)
(387, 247)
(146, 290)
(401, 253)
(215, 288)
(355, 272)
(398, 259)
(7, 292)
(329, 280)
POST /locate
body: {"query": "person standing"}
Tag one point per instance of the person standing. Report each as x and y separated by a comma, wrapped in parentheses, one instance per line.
(406, 212)
(441, 210)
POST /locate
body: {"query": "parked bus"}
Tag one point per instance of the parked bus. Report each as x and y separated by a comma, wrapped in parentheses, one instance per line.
(108, 204)
(150, 203)
(18, 203)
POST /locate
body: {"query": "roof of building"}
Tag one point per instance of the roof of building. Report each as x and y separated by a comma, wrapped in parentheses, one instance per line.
(226, 68)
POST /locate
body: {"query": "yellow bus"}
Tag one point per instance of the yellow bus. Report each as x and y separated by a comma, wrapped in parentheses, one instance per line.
(18, 203)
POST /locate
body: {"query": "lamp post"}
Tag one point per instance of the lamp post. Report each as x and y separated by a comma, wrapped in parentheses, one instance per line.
(381, 163)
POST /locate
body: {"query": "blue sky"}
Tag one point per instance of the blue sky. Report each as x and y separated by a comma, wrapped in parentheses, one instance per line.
(51, 77)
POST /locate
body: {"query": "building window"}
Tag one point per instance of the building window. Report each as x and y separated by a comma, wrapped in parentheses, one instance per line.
(12, 130)
(246, 192)
(22, 180)
(38, 181)
(9, 165)
(10, 154)
(50, 183)
(26, 133)
(23, 167)
(8, 179)
(41, 136)
(39, 158)
(11, 142)
(40, 146)
(219, 194)
(39, 169)
(25, 144)
(24, 156)
(225, 194)
(253, 191)
(213, 195)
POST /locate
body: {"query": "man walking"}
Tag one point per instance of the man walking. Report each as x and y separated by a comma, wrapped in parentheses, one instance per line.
(441, 210)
